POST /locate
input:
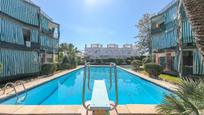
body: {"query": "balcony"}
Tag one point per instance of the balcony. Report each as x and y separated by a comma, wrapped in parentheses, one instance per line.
(158, 30)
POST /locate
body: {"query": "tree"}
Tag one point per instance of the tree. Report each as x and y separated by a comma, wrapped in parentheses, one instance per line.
(144, 35)
(195, 13)
(69, 52)
(188, 100)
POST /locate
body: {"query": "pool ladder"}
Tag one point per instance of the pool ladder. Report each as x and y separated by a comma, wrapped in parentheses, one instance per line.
(13, 86)
(86, 104)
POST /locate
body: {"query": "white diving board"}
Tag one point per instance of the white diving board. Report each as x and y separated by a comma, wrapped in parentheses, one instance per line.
(99, 100)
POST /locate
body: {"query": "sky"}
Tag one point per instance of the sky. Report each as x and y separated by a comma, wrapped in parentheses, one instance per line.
(99, 21)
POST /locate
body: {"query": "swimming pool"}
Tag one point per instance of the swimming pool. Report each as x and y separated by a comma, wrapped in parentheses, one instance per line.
(67, 89)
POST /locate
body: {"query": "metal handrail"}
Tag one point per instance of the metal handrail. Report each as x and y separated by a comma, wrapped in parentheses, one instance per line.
(12, 85)
(111, 65)
(116, 85)
(110, 77)
(87, 64)
(25, 89)
(89, 69)
(84, 90)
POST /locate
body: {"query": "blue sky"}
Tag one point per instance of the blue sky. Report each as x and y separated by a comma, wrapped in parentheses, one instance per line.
(99, 21)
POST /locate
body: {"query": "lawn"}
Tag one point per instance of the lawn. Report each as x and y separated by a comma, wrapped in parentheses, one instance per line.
(169, 78)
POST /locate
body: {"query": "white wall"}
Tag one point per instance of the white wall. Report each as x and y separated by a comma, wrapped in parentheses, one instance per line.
(110, 52)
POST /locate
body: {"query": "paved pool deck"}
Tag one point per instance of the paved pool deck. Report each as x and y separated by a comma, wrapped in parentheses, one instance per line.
(130, 109)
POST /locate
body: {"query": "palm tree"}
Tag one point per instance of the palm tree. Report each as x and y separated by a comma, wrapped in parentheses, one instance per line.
(195, 13)
(188, 100)
(68, 51)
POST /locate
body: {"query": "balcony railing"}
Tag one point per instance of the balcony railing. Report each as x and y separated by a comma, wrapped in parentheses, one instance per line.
(168, 6)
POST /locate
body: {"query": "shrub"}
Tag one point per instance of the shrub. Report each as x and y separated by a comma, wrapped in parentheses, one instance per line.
(136, 64)
(67, 63)
(146, 60)
(66, 66)
(153, 69)
(65, 59)
(48, 69)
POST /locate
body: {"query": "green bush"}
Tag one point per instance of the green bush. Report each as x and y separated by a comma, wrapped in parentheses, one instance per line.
(153, 69)
(66, 66)
(136, 64)
(48, 69)
(146, 60)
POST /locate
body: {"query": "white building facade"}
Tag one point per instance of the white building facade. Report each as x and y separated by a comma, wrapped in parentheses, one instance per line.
(97, 51)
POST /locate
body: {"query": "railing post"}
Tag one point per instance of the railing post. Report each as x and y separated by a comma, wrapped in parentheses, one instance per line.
(89, 77)
(84, 87)
(116, 85)
(110, 77)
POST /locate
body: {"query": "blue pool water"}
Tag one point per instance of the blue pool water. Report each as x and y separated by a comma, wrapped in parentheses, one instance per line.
(67, 90)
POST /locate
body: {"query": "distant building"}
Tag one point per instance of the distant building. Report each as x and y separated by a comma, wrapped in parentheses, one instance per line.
(97, 51)
(28, 38)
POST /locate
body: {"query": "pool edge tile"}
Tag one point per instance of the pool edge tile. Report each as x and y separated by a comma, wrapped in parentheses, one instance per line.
(9, 109)
(123, 110)
(48, 110)
(142, 109)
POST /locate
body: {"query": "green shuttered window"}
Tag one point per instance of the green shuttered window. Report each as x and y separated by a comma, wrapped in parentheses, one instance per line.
(18, 62)
(12, 32)
(187, 34)
(198, 64)
(48, 42)
(164, 40)
(21, 10)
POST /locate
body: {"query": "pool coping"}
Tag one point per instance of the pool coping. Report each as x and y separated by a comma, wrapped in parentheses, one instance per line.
(128, 109)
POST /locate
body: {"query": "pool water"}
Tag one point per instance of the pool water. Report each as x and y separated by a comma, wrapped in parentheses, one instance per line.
(67, 89)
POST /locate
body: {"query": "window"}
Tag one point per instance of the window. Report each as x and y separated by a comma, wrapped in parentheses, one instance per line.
(162, 61)
(26, 37)
(188, 58)
(188, 62)
(53, 30)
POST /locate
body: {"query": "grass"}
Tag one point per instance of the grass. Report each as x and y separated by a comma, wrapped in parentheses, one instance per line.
(143, 72)
(169, 78)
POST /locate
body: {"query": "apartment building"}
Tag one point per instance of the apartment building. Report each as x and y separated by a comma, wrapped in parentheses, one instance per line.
(168, 50)
(28, 38)
(97, 51)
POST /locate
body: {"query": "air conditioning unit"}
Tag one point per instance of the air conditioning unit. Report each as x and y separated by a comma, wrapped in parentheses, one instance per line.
(28, 44)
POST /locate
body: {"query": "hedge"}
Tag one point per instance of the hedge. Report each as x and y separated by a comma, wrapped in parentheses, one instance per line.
(153, 69)
(48, 69)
